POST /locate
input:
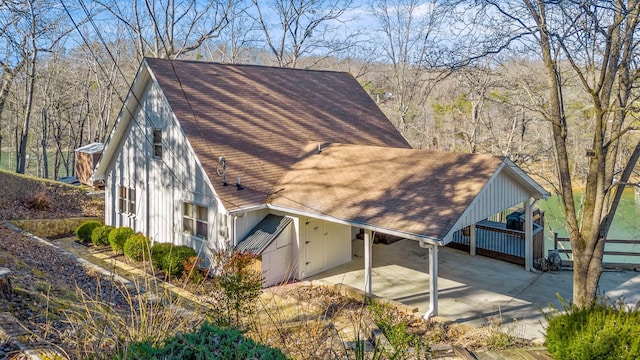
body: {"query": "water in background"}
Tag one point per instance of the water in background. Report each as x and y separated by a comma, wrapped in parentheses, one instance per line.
(626, 224)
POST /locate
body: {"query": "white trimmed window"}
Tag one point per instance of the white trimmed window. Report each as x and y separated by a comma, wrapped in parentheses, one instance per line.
(157, 143)
(126, 200)
(195, 220)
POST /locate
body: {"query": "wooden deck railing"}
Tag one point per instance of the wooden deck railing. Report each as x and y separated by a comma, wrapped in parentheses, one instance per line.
(500, 243)
(558, 241)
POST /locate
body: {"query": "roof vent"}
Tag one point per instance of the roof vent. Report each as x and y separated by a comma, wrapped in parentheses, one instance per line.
(221, 170)
(319, 148)
(238, 185)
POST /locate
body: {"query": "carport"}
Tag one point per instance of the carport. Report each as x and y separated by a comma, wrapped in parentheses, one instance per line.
(425, 196)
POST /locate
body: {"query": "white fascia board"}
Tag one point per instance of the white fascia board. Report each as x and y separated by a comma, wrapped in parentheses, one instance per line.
(119, 130)
(247, 209)
(410, 236)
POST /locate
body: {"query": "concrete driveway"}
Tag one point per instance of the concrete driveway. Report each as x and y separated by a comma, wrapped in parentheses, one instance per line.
(472, 289)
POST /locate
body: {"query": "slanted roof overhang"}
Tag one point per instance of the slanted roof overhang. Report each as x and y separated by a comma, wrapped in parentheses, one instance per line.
(513, 185)
(263, 234)
(358, 224)
(412, 193)
(361, 225)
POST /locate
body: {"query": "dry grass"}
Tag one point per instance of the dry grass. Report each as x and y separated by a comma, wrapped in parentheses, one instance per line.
(27, 197)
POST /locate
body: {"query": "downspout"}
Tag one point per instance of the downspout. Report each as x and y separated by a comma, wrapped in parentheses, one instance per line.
(433, 279)
(233, 237)
(148, 202)
(528, 234)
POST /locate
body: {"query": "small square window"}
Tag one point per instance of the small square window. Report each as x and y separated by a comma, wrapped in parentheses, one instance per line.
(157, 143)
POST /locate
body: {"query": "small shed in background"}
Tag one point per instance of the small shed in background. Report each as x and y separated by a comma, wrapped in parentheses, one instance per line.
(86, 159)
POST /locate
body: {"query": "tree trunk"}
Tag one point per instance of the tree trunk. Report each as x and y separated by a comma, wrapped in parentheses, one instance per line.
(24, 135)
(31, 77)
(43, 142)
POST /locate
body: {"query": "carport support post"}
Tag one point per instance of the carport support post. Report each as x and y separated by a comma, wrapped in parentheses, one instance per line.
(433, 282)
(367, 261)
(472, 240)
(528, 235)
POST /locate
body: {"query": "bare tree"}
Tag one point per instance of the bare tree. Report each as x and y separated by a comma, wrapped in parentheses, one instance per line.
(293, 29)
(169, 28)
(13, 42)
(595, 43)
(238, 42)
(408, 39)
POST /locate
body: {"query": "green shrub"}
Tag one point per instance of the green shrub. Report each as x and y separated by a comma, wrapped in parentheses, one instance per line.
(208, 342)
(83, 232)
(136, 247)
(173, 261)
(117, 238)
(100, 235)
(158, 253)
(171, 258)
(605, 330)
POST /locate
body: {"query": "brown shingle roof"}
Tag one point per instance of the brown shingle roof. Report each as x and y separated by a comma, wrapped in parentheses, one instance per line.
(260, 118)
(419, 192)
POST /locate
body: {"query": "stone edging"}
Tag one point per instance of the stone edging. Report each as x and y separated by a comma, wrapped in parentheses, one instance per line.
(48, 228)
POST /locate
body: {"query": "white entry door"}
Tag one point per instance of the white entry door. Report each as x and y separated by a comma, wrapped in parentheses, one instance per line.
(314, 245)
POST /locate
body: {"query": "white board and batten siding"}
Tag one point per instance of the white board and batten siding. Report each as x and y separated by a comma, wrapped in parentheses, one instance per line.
(323, 245)
(162, 185)
(246, 222)
(501, 192)
(278, 264)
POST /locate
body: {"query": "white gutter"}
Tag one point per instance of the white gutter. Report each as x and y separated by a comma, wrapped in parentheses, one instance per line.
(247, 209)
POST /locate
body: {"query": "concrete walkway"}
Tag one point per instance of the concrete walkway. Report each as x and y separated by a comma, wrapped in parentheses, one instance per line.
(472, 289)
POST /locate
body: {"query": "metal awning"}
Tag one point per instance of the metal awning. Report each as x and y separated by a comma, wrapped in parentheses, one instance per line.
(263, 234)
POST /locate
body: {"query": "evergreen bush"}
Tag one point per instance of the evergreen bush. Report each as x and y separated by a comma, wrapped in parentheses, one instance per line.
(171, 258)
(606, 330)
(100, 235)
(173, 262)
(118, 236)
(83, 232)
(158, 253)
(136, 247)
(208, 342)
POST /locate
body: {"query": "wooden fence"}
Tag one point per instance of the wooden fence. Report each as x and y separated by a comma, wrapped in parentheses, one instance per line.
(562, 249)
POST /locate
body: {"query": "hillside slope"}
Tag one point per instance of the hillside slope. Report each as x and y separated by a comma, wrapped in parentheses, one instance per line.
(26, 197)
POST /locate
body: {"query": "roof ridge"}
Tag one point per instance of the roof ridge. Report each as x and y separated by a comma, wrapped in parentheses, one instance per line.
(327, 144)
(245, 65)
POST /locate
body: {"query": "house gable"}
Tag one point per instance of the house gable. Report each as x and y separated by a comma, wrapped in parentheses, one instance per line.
(508, 187)
(162, 182)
